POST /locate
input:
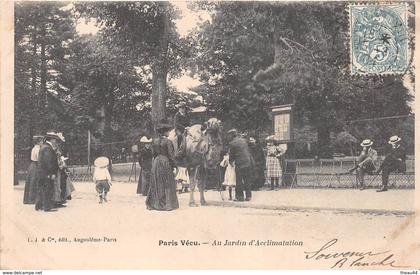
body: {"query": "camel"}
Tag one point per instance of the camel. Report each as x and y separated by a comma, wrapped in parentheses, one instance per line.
(200, 150)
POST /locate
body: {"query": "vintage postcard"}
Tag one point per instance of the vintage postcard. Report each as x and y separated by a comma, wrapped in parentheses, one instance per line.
(209, 135)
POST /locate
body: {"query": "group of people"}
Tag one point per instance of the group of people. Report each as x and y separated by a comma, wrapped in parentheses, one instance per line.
(244, 164)
(248, 167)
(367, 162)
(48, 184)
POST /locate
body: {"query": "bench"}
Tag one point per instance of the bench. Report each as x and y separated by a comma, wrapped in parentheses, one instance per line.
(334, 173)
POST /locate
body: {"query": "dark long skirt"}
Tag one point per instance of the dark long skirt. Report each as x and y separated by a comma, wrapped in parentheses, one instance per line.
(29, 195)
(162, 191)
(56, 198)
(144, 182)
(258, 177)
(63, 184)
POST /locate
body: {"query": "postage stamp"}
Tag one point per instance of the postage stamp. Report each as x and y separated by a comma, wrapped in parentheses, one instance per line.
(378, 38)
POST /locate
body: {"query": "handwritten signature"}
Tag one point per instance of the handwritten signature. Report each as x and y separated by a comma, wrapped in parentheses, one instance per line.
(349, 259)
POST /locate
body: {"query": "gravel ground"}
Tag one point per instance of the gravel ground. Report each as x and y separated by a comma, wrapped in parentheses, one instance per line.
(131, 237)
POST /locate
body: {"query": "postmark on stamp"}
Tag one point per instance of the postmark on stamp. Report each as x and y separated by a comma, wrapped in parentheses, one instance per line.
(378, 38)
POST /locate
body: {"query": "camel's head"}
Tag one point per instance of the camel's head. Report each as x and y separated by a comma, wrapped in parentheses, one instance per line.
(214, 143)
(213, 125)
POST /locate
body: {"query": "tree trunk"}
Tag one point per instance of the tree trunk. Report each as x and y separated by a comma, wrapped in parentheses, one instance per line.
(277, 47)
(33, 120)
(158, 96)
(324, 148)
(160, 72)
(43, 83)
(108, 133)
(105, 130)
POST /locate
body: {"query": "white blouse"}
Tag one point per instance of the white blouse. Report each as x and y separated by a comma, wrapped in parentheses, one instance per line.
(35, 152)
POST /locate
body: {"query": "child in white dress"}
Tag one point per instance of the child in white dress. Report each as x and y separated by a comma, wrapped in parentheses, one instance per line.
(102, 178)
(230, 175)
(182, 179)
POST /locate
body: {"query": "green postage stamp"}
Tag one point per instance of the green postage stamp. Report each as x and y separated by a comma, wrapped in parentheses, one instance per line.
(378, 38)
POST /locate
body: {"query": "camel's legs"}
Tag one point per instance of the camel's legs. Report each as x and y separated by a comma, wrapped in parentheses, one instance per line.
(202, 199)
(193, 184)
(201, 189)
(192, 202)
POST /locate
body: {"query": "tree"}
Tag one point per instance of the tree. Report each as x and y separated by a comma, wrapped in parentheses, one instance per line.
(345, 142)
(146, 30)
(253, 55)
(42, 34)
(107, 89)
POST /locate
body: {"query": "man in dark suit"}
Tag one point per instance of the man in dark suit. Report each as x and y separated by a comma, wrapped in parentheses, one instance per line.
(181, 121)
(240, 156)
(394, 162)
(47, 170)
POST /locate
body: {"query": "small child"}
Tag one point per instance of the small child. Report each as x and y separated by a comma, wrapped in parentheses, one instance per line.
(273, 166)
(182, 179)
(230, 176)
(102, 178)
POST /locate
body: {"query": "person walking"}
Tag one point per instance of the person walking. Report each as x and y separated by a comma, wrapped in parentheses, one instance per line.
(394, 162)
(162, 191)
(145, 161)
(102, 178)
(30, 191)
(47, 170)
(366, 162)
(240, 156)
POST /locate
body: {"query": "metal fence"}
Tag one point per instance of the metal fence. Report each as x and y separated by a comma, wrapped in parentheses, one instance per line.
(333, 173)
(299, 173)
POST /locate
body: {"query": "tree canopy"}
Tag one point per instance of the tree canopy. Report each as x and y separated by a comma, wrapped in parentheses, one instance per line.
(253, 55)
(249, 56)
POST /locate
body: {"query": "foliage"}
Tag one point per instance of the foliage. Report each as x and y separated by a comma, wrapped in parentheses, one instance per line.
(256, 54)
(146, 31)
(43, 32)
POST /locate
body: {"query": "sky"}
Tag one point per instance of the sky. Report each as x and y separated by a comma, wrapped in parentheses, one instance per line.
(189, 20)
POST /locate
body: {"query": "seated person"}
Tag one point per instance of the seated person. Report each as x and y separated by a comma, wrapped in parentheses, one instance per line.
(366, 162)
(181, 121)
(394, 162)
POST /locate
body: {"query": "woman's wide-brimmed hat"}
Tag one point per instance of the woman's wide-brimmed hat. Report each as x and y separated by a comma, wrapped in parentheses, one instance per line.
(252, 140)
(37, 138)
(144, 139)
(163, 126)
(366, 143)
(233, 131)
(394, 139)
(101, 162)
(58, 136)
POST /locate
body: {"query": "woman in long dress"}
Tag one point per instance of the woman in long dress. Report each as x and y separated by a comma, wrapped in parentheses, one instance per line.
(145, 161)
(162, 190)
(59, 182)
(29, 194)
